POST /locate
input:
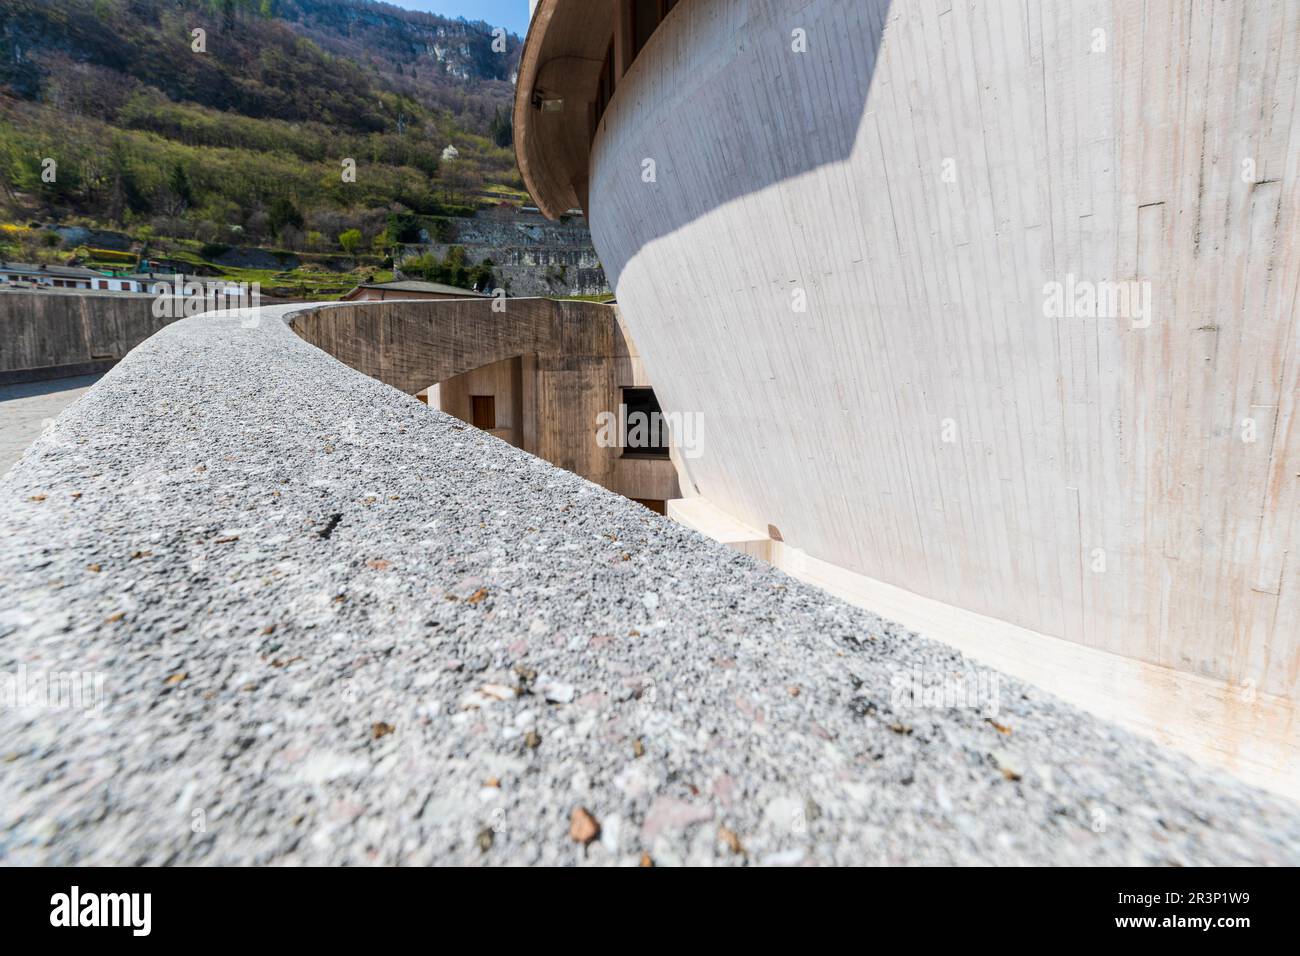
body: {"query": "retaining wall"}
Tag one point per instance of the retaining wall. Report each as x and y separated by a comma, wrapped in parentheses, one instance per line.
(58, 334)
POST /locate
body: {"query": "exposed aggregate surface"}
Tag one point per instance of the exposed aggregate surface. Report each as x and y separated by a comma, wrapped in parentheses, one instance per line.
(334, 626)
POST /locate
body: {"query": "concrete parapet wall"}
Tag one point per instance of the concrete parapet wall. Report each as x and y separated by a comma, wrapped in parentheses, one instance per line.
(316, 616)
(576, 358)
(52, 334)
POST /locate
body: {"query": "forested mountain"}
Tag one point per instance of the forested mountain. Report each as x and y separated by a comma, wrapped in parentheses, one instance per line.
(447, 64)
(240, 134)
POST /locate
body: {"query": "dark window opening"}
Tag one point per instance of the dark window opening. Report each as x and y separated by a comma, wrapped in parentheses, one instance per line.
(645, 17)
(484, 411)
(605, 89)
(644, 430)
(638, 19)
(657, 505)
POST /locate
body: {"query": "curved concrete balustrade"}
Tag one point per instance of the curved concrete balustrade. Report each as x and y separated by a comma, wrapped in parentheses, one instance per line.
(410, 346)
(562, 365)
(60, 333)
(329, 624)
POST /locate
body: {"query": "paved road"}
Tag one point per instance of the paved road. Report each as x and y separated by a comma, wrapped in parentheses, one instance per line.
(329, 625)
(26, 409)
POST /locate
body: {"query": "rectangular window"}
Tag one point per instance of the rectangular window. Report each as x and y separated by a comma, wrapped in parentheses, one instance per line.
(484, 411)
(645, 433)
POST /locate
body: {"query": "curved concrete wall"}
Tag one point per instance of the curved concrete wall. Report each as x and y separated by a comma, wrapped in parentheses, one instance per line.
(918, 178)
(411, 344)
(576, 360)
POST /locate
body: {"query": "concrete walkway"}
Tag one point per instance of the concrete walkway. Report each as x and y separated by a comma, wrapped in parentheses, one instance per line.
(26, 409)
(313, 621)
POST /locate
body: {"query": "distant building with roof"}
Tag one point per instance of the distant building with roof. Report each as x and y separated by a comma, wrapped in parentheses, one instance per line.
(38, 275)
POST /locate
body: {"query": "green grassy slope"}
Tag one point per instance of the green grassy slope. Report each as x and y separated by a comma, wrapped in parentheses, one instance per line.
(245, 142)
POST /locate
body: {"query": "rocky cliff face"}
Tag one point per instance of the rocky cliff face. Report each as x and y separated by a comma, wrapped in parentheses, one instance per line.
(256, 62)
(453, 60)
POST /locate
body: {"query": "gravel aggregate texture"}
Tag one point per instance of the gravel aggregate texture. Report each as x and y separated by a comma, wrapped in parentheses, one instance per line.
(316, 622)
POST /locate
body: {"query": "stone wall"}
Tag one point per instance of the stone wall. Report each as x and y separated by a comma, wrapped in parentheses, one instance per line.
(532, 255)
(259, 555)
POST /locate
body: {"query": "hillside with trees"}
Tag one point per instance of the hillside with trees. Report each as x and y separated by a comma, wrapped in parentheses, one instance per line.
(314, 126)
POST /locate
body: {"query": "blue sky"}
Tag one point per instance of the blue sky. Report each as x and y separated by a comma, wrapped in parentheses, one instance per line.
(511, 14)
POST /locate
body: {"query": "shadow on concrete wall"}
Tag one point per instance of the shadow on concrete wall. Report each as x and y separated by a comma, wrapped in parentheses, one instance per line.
(775, 110)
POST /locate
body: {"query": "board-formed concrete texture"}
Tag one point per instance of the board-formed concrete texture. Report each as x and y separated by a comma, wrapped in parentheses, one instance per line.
(62, 333)
(318, 622)
(575, 360)
(866, 241)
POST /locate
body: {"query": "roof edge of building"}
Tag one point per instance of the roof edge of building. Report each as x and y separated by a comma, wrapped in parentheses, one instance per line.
(550, 155)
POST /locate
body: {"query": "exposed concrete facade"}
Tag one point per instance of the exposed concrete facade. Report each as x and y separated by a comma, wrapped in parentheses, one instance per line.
(552, 367)
(867, 254)
(51, 334)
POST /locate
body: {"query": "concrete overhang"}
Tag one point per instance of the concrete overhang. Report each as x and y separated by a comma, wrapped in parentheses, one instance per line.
(558, 73)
